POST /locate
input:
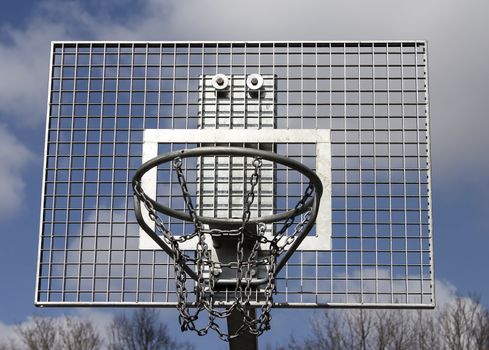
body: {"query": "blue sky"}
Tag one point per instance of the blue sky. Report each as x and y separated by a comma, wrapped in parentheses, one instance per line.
(458, 49)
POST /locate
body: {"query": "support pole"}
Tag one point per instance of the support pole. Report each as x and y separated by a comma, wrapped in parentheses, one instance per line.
(245, 341)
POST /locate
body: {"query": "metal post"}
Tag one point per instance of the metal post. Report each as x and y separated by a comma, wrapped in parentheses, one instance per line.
(245, 341)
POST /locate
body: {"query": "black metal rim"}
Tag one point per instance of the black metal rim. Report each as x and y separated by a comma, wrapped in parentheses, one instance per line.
(232, 151)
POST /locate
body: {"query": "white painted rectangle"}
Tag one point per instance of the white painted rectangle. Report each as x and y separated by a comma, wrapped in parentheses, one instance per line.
(320, 137)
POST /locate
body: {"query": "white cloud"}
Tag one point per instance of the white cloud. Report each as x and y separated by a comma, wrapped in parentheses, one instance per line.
(455, 31)
(14, 157)
(100, 319)
(445, 292)
(25, 56)
(8, 334)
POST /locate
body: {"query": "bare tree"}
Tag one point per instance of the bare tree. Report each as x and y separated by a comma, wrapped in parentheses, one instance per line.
(7, 345)
(465, 325)
(39, 334)
(460, 325)
(426, 334)
(48, 333)
(328, 331)
(359, 330)
(293, 344)
(478, 321)
(383, 330)
(142, 331)
(77, 334)
(401, 325)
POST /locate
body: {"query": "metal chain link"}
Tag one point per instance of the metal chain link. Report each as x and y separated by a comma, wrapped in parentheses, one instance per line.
(207, 270)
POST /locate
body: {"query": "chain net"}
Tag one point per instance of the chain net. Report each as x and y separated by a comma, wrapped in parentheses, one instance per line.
(245, 265)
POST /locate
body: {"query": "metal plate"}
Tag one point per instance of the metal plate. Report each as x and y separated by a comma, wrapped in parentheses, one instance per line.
(355, 111)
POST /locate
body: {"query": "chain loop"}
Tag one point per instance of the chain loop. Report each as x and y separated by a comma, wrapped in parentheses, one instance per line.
(246, 268)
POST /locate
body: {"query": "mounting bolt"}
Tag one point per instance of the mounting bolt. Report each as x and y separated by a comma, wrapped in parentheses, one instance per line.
(254, 82)
(220, 82)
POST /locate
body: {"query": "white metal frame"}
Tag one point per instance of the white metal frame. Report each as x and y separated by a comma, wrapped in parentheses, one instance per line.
(152, 137)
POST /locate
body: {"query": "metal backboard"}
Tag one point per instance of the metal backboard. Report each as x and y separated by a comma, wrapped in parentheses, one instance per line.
(355, 112)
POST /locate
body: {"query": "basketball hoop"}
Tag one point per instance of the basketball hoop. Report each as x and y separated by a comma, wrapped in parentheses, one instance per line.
(258, 256)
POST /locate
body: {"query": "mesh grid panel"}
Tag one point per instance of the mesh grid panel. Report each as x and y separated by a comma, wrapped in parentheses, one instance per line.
(371, 95)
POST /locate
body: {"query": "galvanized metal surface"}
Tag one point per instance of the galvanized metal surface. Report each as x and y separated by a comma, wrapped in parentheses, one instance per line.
(372, 96)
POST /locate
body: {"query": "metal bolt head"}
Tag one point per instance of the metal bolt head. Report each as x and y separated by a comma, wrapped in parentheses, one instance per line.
(254, 82)
(220, 82)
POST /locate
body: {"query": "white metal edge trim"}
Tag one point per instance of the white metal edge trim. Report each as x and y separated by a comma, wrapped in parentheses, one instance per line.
(414, 41)
(295, 305)
(430, 192)
(236, 136)
(43, 185)
(151, 138)
(150, 150)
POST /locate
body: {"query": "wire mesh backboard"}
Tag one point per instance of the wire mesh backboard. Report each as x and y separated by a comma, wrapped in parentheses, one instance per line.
(356, 112)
